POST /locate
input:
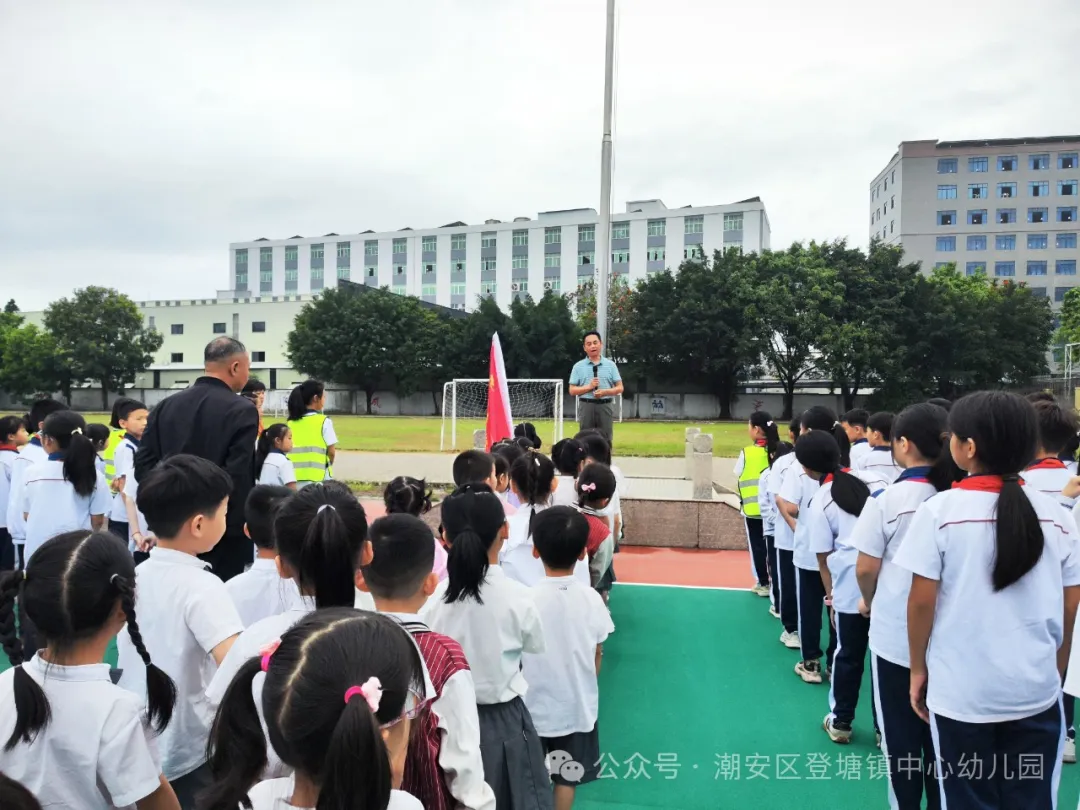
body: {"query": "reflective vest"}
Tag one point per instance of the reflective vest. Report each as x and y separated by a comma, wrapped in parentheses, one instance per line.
(755, 461)
(116, 435)
(309, 455)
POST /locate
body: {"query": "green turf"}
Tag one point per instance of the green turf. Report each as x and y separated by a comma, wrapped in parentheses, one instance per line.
(406, 434)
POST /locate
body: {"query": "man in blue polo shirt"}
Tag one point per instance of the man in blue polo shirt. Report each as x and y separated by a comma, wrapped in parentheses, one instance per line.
(596, 382)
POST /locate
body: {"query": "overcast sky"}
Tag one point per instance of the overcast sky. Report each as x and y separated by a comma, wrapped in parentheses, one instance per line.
(137, 139)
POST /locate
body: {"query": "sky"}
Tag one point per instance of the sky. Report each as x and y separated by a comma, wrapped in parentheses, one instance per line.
(138, 139)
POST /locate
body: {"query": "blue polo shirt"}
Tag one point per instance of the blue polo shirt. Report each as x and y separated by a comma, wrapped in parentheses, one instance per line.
(582, 373)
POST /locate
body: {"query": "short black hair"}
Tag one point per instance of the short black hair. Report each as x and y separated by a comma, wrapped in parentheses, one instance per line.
(128, 407)
(9, 426)
(253, 386)
(857, 417)
(472, 467)
(592, 332)
(260, 510)
(40, 411)
(1057, 426)
(97, 433)
(941, 402)
(179, 488)
(882, 423)
(221, 349)
(403, 554)
(1040, 396)
(15, 796)
(559, 534)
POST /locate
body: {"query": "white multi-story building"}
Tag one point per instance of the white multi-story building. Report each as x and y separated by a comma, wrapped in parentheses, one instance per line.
(456, 264)
(1007, 208)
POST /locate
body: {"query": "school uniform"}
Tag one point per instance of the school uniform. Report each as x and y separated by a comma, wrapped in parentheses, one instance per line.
(124, 464)
(277, 470)
(610, 512)
(563, 696)
(96, 753)
(993, 691)
(859, 449)
(877, 465)
(8, 455)
(784, 543)
(494, 635)
(183, 612)
(516, 556)
(260, 592)
(769, 516)
(749, 481)
(564, 494)
(29, 454)
(800, 489)
(274, 794)
(444, 768)
(53, 506)
(879, 533)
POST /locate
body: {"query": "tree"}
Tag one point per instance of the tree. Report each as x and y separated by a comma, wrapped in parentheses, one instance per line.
(11, 307)
(620, 314)
(31, 363)
(544, 339)
(1069, 331)
(467, 342)
(101, 333)
(366, 338)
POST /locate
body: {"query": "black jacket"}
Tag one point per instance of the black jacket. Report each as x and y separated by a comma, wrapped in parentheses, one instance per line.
(210, 421)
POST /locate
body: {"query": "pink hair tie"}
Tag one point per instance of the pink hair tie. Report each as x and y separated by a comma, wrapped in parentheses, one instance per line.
(267, 653)
(588, 487)
(371, 691)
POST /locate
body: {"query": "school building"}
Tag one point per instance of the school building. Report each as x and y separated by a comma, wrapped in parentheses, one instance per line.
(1005, 207)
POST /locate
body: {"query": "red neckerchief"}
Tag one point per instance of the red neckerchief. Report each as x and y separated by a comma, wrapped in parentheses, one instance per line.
(828, 478)
(1047, 464)
(982, 483)
(10, 447)
(760, 443)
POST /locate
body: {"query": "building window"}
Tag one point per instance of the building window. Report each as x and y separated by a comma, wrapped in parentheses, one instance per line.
(241, 279)
(1038, 292)
(891, 224)
(399, 270)
(940, 265)
(1007, 164)
(241, 257)
(693, 252)
(978, 164)
(1005, 242)
(1039, 188)
(177, 329)
(977, 191)
(1067, 188)
(343, 273)
(258, 326)
(946, 192)
(1040, 163)
(428, 290)
(519, 285)
(553, 260)
(1059, 293)
(886, 184)
(733, 222)
(586, 233)
(657, 254)
(371, 272)
(620, 257)
(620, 230)
(428, 244)
(266, 255)
(946, 244)
(316, 278)
(457, 241)
(946, 166)
(266, 280)
(946, 217)
(457, 288)
(1066, 214)
(976, 268)
(1006, 189)
(316, 251)
(977, 217)
(1036, 268)
(1065, 241)
(553, 284)
(1037, 241)
(1067, 160)
(429, 268)
(344, 250)
(521, 238)
(219, 329)
(695, 224)
(371, 247)
(587, 257)
(400, 246)
(1037, 215)
(658, 227)
(488, 289)
(1065, 267)
(1006, 216)
(1004, 269)
(487, 240)
(258, 357)
(176, 357)
(487, 265)
(892, 203)
(976, 243)
(519, 263)
(552, 236)
(290, 253)
(292, 279)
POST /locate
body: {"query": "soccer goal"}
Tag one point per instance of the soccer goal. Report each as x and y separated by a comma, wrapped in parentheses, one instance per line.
(536, 401)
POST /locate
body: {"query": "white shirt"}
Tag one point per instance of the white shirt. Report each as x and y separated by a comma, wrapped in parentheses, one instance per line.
(784, 538)
(859, 450)
(564, 494)
(1050, 481)
(879, 533)
(54, 507)
(767, 504)
(96, 752)
(260, 592)
(7, 461)
(274, 794)
(328, 434)
(563, 697)
(183, 612)
(29, 455)
(124, 466)
(877, 464)
(799, 488)
(829, 529)
(277, 470)
(516, 556)
(493, 635)
(992, 656)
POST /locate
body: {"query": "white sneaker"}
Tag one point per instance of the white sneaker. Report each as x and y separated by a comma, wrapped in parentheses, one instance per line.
(1070, 751)
(761, 590)
(774, 612)
(790, 640)
(809, 671)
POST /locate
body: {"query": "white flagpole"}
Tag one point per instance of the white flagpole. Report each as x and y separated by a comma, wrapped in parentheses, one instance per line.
(603, 234)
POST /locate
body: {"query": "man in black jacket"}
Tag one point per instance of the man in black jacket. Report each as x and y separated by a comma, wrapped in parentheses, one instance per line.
(209, 420)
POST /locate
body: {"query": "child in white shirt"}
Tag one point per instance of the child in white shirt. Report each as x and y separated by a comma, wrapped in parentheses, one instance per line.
(877, 467)
(12, 436)
(31, 453)
(125, 520)
(260, 591)
(272, 465)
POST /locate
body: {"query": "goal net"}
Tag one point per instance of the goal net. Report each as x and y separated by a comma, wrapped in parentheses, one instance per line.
(464, 409)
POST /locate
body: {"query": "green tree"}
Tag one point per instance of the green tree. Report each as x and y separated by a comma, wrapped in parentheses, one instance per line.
(366, 339)
(467, 342)
(620, 314)
(101, 333)
(544, 339)
(1069, 331)
(31, 363)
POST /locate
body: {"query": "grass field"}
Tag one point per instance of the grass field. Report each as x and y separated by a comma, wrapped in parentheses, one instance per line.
(405, 434)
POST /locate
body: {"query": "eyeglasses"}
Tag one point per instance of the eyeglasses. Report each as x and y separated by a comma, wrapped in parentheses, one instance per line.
(415, 703)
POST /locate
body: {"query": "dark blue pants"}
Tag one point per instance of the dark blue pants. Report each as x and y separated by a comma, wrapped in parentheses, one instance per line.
(849, 663)
(1020, 761)
(774, 575)
(811, 592)
(7, 551)
(906, 741)
(788, 590)
(1069, 703)
(755, 538)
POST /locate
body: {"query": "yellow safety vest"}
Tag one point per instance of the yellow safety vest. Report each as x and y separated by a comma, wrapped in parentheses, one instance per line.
(309, 456)
(755, 461)
(116, 435)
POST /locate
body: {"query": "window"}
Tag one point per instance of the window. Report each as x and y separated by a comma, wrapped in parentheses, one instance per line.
(219, 329)
(733, 222)
(553, 260)
(290, 253)
(176, 357)
(894, 177)
(487, 265)
(457, 288)
(316, 251)
(1036, 268)
(978, 164)
(429, 268)
(1005, 242)
(1007, 164)
(371, 272)
(1037, 215)
(258, 326)
(371, 247)
(1038, 292)
(258, 357)
(266, 255)
(620, 230)
(487, 288)
(891, 224)
(241, 257)
(886, 184)
(519, 285)
(695, 224)
(946, 166)
(1059, 293)
(1039, 188)
(977, 191)
(266, 278)
(521, 238)
(554, 284)
(519, 263)
(976, 243)
(292, 279)
(1066, 214)
(892, 203)
(429, 290)
(939, 265)
(343, 250)
(399, 270)
(1006, 189)
(946, 217)
(1006, 216)
(587, 257)
(946, 192)
(343, 273)
(552, 236)
(1065, 240)
(1065, 267)
(1004, 269)
(1037, 241)
(693, 252)
(658, 227)
(1066, 160)
(399, 246)
(487, 240)
(975, 268)
(177, 329)
(428, 244)
(977, 217)
(1039, 163)
(316, 278)
(241, 279)
(586, 233)
(620, 257)
(1067, 188)
(457, 241)
(946, 244)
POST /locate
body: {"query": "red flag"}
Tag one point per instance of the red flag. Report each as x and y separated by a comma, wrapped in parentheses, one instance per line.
(500, 424)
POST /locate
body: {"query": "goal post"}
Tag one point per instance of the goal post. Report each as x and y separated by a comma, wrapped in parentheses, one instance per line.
(536, 401)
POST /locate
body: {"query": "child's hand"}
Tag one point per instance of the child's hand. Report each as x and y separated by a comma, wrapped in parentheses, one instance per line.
(117, 484)
(1072, 489)
(864, 609)
(918, 694)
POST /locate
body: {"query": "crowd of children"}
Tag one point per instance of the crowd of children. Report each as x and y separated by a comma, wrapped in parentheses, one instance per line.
(352, 665)
(943, 541)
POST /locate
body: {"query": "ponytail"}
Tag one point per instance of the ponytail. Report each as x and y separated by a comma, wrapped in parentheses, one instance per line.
(67, 428)
(472, 517)
(819, 453)
(1019, 542)
(236, 748)
(466, 566)
(762, 420)
(301, 396)
(927, 427)
(356, 738)
(160, 689)
(265, 445)
(32, 711)
(849, 492)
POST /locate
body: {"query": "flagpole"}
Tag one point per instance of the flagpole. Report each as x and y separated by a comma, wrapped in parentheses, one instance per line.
(603, 235)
